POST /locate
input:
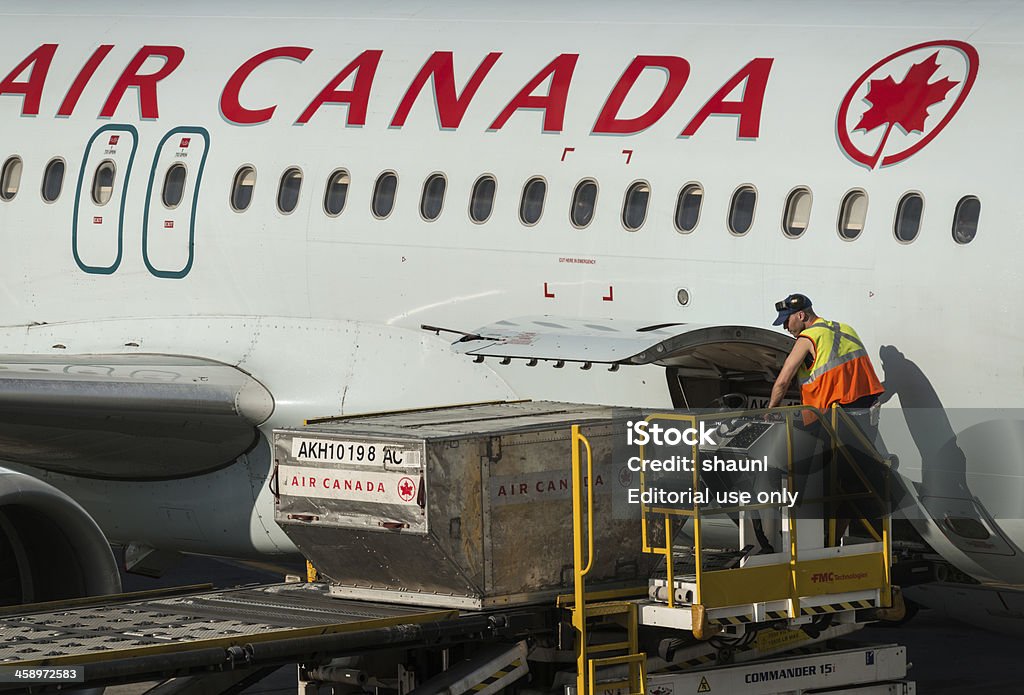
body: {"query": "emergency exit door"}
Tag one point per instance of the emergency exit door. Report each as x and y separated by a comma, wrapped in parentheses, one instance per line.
(169, 222)
(97, 231)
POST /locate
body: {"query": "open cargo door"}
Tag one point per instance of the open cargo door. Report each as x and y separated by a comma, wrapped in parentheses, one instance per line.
(706, 366)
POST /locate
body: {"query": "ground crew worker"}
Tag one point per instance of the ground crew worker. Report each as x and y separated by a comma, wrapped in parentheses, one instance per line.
(832, 367)
(828, 359)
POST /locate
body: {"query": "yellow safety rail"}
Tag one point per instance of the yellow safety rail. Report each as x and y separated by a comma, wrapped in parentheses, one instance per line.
(791, 581)
(586, 667)
(840, 416)
(579, 613)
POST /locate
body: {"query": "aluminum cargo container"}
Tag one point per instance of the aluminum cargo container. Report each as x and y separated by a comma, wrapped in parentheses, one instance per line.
(466, 506)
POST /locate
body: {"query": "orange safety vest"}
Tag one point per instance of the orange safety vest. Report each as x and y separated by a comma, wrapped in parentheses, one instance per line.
(841, 371)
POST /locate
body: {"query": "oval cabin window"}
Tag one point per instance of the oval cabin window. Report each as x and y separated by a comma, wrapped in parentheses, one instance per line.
(432, 201)
(532, 204)
(634, 206)
(797, 214)
(481, 202)
(741, 210)
(242, 188)
(584, 201)
(384, 194)
(103, 182)
(174, 186)
(288, 191)
(908, 217)
(53, 180)
(852, 213)
(688, 207)
(965, 219)
(10, 178)
(336, 193)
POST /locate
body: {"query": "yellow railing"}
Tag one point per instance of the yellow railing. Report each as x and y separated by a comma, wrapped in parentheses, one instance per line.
(579, 614)
(586, 667)
(788, 581)
(763, 583)
(841, 416)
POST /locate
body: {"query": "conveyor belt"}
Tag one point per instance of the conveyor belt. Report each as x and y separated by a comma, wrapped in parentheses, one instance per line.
(163, 625)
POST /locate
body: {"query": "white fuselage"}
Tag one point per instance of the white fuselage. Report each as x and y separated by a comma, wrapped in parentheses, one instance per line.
(325, 310)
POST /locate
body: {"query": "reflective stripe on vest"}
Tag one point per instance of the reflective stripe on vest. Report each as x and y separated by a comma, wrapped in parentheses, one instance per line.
(822, 363)
(841, 370)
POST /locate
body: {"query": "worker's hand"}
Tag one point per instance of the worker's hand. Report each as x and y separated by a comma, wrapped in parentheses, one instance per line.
(773, 417)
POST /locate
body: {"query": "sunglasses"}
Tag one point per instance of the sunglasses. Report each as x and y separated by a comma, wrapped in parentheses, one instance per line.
(795, 303)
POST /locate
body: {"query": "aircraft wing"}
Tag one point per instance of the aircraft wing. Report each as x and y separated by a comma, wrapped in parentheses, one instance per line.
(127, 417)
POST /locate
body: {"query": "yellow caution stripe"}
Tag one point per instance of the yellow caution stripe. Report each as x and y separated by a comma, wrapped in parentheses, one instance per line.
(804, 610)
(835, 607)
(498, 675)
(690, 663)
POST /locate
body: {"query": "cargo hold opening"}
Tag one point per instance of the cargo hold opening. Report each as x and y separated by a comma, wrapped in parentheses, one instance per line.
(730, 367)
(712, 371)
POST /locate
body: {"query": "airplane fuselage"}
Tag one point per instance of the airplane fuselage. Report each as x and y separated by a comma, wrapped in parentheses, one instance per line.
(792, 102)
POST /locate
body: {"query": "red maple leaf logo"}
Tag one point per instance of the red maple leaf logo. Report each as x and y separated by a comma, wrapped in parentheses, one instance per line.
(904, 103)
(406, 489)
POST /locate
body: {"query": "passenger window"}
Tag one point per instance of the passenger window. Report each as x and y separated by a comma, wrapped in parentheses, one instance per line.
(741, 210)
(242, 188)
(103, 182)
(481, 202)
(432, 200)
(634, 206)
(288, 191)
(965, 219)
(908, 217)
(688, 207)
(53, 180)
(10, 178)
(384, 194)
(797, 214)
(174, 186)
(336, 192)
(584, 200)
(852, 213)
(532, 204)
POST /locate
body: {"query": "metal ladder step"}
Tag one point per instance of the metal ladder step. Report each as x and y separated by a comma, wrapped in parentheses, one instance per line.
(636, 686)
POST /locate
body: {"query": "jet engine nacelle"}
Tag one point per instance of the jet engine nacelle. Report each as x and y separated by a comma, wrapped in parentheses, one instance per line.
(50, 548)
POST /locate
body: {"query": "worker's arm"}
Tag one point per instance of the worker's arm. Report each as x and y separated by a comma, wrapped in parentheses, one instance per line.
(801, 349)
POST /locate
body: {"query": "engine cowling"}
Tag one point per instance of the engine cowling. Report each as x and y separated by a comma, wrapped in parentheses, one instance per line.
(50, 548)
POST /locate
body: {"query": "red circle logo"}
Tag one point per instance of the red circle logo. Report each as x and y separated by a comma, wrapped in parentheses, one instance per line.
(902, 102)
(406, 489)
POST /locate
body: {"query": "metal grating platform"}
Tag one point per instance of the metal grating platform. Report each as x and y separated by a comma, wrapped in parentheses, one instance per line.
(117, 629)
